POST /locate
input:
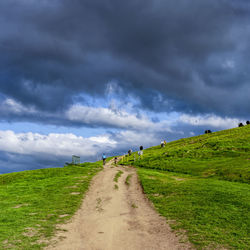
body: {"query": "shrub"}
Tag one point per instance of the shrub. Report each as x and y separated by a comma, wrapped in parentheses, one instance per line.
(208, 131)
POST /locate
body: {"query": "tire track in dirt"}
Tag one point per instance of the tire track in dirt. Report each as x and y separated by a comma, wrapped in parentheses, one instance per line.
(116, 218)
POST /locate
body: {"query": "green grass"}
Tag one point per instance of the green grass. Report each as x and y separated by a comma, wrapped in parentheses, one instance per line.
(127, 181)
(224, 155)
(109, 159)
(118, 175)
(33, 202)
(212, 212)
(201, 185)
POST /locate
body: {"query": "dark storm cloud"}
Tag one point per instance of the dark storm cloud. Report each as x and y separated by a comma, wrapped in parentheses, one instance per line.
(186, 55)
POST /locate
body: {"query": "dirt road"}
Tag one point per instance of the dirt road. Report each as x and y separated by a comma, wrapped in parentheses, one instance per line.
(117, 217)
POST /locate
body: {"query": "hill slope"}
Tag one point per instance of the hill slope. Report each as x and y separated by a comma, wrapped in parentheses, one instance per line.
(201, 185)
(224, 154)
(33, 202)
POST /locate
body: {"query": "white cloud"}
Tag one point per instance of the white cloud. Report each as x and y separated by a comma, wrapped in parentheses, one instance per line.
(210, 120)
(11, 106)
(107, 117)
(53, 144)
(102, 139)
(112, 117)
(64, 146)
(128, 139)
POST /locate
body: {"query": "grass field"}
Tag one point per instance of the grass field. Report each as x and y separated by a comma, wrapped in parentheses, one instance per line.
(201, 185)
(33, 202)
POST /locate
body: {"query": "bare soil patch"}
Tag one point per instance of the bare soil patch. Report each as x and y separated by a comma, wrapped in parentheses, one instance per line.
(21, 205)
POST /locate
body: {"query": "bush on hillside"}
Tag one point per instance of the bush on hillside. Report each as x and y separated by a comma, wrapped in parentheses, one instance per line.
(208, 131)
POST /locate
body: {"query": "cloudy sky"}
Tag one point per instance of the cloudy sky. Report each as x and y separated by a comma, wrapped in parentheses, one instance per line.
(91, 76)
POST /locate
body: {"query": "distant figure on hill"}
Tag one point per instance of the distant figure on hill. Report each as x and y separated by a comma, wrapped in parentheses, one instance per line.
(240, 125)
(208, 131)
(130, 152)
(162, 144)
(140, 152)
(115, 160)
(103, 159)
(248, 122)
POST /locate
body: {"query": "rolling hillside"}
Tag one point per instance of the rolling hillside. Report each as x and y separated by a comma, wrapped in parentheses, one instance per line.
(33, 202)
(201, 185)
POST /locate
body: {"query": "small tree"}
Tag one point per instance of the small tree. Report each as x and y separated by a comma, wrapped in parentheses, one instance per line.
(248, 122)
(208, 131)
(240, 125)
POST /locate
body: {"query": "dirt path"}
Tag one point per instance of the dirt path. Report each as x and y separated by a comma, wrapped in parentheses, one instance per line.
(116, 218)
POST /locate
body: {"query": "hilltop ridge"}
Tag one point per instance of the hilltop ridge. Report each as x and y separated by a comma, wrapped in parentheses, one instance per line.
(224, 154)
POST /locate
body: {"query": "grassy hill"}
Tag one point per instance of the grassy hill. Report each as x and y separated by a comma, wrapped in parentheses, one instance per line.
(33, 202)
(201, 185)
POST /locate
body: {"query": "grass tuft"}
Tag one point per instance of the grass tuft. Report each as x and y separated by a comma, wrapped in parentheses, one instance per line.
(118, 175)
(134, 206)
(127, 181)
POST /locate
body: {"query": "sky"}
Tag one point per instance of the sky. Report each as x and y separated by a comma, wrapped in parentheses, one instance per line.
(87, 77)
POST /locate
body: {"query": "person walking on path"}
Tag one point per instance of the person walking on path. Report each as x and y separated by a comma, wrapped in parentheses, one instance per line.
(103, 158)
